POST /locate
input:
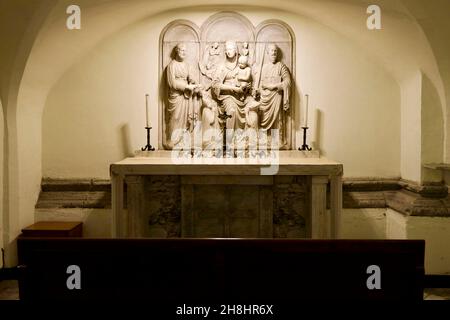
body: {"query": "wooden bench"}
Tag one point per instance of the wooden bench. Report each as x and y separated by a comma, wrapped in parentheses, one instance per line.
(219, 270)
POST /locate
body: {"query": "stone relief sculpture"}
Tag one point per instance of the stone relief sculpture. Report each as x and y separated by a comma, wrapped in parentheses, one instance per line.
(231, 96)
(275, 92)
(211, 59)
(244, 75)
(245, 50)
(222, 79)
(183, 97)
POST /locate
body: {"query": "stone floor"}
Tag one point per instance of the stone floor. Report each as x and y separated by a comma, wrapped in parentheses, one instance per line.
(437, 294)
(9, 290)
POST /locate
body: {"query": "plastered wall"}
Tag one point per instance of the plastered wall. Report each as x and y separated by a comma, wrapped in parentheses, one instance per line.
(95, 114)
(434, 230)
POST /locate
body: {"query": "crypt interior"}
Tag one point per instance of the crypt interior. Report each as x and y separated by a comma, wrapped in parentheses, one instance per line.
(74, 107)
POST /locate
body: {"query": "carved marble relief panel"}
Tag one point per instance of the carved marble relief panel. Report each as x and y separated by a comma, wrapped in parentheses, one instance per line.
(226, 67)
(290, 206)
(154, 206)
(221, 211)
(213, 206)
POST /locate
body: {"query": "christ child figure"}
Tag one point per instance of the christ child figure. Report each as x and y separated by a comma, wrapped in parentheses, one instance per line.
(244, 75)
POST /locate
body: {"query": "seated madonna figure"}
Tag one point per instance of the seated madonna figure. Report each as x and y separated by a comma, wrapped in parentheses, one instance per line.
(234, 100)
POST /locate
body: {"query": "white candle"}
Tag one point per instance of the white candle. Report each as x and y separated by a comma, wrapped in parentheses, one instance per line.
(306, 111)
(146, 111)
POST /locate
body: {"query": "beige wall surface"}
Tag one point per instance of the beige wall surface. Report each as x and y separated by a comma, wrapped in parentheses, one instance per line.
(434, 230)
(364, 223)
(433, 132)
(95, 114)
(411, 128)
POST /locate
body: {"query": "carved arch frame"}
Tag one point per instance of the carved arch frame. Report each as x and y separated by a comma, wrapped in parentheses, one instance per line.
(290, 117)
(163, 61)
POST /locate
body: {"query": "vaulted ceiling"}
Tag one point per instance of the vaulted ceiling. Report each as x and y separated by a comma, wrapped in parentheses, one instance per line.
(34, 40)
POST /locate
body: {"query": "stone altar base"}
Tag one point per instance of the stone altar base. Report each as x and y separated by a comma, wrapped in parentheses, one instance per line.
(217, 207)
(226, 197)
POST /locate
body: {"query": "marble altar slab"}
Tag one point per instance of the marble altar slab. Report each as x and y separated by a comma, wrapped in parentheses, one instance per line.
(288, 162)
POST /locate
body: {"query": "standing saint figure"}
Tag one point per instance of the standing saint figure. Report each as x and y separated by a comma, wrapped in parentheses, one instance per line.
(183, 98)
(275, 91)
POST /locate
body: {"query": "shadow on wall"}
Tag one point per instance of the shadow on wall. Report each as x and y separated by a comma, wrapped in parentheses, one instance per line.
(364, 223)
(298, 103)
(127, 150)
(447, 179)
(316, 139)
(432, 130)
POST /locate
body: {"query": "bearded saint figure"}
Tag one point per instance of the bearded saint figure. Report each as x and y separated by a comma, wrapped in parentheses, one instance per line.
(275, 92)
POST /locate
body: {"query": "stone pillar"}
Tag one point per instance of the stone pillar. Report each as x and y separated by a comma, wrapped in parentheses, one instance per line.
(318, 223)
(118, 219)
(336, 206)
(135, 205)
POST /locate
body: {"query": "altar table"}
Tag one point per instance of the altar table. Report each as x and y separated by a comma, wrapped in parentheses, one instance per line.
(217, 175)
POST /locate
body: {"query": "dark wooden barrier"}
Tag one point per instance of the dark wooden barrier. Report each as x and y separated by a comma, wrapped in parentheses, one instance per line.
(220, 270)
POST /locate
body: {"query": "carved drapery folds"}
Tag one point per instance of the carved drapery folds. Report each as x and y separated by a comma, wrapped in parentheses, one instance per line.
(226, 65)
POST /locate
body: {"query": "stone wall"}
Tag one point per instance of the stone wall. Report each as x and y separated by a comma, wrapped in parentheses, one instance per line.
(162, 212)
(160, 207)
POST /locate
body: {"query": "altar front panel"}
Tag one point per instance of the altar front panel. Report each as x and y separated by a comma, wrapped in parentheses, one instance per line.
(229, 199)
(216, 207)
(222, 207)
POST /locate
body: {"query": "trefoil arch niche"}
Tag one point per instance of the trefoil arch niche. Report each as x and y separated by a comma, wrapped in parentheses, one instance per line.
(199, 66)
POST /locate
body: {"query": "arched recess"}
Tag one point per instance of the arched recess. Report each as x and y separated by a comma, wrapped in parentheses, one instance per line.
(266, 32)
(44, 61)
(19, 192)
(54, 45)
(232, 26)
(140, 11)
(225, 26)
